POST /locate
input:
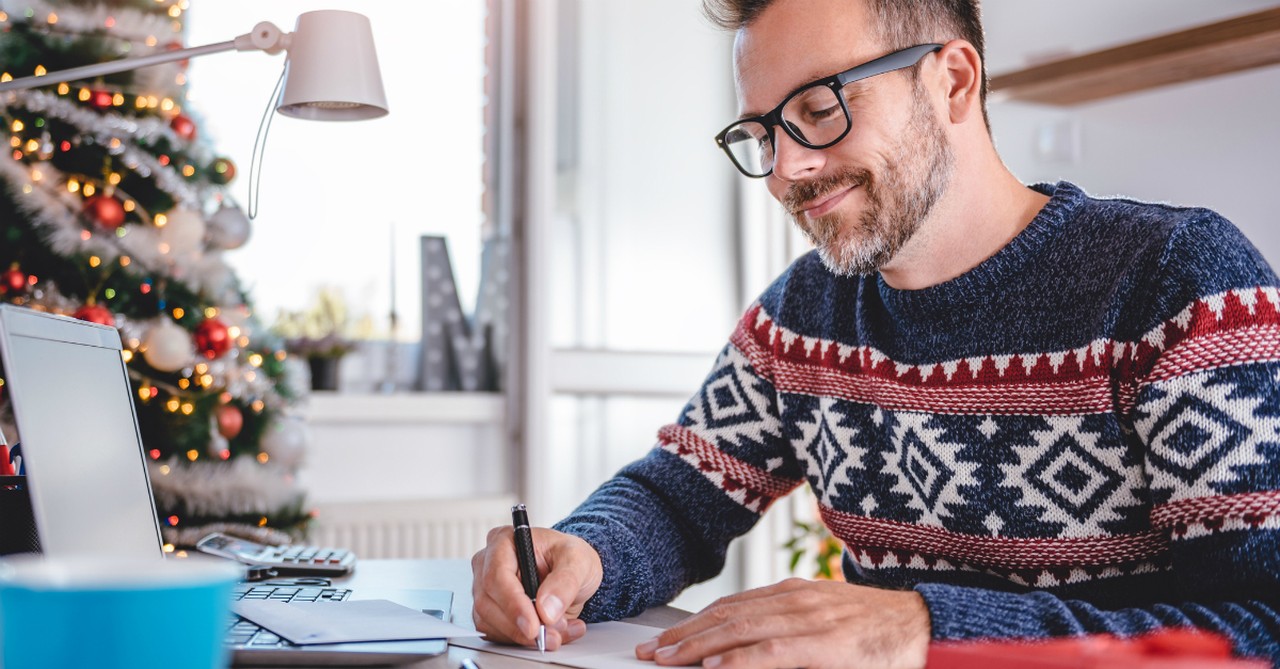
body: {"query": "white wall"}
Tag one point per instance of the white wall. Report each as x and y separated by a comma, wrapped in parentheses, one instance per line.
(1214, 143)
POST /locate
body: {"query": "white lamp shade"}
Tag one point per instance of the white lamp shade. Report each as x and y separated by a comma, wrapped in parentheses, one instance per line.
(332, 71)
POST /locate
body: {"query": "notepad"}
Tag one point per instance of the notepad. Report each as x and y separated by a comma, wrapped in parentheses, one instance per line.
(610, 645)
(306, 623)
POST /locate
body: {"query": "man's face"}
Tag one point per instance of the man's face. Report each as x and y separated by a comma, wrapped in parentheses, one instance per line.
(860, 201)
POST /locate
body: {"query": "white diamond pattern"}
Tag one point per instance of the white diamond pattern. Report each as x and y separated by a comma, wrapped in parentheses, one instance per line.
(730, 408)
(926, 467)
(1226, 419)
(828, 449)
(1067, 449)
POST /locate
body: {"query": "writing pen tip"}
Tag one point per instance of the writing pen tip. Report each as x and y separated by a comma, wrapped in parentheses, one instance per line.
(542, 639)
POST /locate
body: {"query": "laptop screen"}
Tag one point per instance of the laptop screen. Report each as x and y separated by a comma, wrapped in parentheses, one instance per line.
(82, 454)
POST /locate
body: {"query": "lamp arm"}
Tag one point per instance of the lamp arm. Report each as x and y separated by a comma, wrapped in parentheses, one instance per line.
(265, 37)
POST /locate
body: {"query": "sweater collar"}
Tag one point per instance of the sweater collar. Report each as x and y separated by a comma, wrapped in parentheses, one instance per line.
(1065, 200)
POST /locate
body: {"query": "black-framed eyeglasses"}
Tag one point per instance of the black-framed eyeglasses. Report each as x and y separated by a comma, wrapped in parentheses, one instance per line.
(816, 115)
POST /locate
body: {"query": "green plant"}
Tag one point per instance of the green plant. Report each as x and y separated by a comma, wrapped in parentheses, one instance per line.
(815, 537)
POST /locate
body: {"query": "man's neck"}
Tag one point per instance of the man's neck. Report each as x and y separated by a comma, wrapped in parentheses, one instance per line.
(983, 210)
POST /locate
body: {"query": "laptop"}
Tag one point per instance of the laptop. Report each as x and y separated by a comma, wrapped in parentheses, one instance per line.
(89, 488)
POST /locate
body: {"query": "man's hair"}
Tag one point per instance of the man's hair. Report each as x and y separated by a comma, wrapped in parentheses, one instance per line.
(900, 23)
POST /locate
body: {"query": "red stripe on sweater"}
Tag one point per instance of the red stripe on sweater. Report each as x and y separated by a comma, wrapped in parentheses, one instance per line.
(735, 474)
(1253, 507)
(1232, 328)
(863, 532)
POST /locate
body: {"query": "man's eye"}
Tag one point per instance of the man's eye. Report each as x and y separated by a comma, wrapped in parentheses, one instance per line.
(824, 113)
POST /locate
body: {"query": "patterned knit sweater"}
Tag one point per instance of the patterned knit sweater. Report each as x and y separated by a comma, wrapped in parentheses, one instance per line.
(1079, 435)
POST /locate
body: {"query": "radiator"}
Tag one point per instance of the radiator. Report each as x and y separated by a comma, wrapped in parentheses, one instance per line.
(421, 528)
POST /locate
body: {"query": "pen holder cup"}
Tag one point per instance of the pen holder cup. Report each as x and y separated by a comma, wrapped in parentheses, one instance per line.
(87, 611)
(17, 524)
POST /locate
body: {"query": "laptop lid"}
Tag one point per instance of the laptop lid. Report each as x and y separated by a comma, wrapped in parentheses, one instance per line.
(82, 451)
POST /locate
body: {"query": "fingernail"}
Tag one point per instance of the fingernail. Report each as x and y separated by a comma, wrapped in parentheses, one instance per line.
(664, 653)
(711, 662)
(647, 647)
(553, 606)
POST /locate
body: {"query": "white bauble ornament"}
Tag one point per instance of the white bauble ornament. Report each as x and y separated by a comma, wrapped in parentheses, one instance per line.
(184, 231)
(167, 347)
(228, 228)
(285, 441)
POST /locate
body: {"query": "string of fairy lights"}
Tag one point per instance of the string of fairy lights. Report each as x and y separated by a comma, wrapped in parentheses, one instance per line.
(142, 220)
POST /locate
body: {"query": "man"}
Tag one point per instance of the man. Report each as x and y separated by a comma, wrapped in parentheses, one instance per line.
(1027, 412)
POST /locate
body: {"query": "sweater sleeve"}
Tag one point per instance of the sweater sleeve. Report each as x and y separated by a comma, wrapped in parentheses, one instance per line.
(665, 522)
(1206, 409)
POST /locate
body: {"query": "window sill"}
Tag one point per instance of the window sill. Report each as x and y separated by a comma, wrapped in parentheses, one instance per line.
(446, 407)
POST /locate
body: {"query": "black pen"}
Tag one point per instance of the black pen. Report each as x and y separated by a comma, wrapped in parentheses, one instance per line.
(528, 564)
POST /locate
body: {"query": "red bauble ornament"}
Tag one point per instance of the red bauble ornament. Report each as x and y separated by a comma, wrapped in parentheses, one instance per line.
(96, 313)
(184, 127)
(230, 420)
(212, 338)
(222, 172)
(14, 280)
(105, 210)
(102, 99)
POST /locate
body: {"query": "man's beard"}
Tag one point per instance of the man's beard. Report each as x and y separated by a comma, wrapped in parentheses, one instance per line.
(898, 200)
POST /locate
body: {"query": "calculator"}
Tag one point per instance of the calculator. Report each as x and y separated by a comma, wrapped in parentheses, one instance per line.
(285, 559)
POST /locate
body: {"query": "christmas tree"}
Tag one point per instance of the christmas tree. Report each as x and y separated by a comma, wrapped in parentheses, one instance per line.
(114, 210)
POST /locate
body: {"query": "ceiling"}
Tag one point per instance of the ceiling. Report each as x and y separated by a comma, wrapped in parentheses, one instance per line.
(1024, 32)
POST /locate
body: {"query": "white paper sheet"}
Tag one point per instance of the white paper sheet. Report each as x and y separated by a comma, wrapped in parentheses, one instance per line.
(306, 623)
(610, 645)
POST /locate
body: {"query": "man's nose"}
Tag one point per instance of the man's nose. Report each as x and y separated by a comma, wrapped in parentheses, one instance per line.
(792, 161)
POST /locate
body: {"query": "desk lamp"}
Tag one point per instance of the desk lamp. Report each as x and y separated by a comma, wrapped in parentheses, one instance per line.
(331, 72)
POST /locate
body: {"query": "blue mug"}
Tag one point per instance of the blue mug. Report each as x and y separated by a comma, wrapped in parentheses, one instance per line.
(113, 613)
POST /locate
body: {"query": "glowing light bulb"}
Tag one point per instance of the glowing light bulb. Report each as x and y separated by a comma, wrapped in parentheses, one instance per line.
(124, 261)
(89, 190)
(73, 186)
(114, 178)
(130, 205)
(94, 261)
(110, 293)
(18, 125)
(40, 71)
(255, 360)
(210, 312)
(263, 458)
(52, 18)
(127, 355)
(178, 313)
(63, 89)
(84, 95)
(161, 220)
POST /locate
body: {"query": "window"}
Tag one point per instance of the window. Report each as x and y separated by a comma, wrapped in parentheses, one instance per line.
(333, 193)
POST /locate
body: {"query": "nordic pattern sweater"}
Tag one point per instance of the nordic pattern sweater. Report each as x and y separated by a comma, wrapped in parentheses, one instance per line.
(1079, 435)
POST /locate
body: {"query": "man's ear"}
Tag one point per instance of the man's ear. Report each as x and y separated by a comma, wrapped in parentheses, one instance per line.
(961, 70)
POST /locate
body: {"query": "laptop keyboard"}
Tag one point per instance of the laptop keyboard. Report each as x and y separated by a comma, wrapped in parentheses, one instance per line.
(246, 634)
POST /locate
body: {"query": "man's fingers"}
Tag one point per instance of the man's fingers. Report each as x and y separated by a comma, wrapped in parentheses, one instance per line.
(792, 651)
(735, 632)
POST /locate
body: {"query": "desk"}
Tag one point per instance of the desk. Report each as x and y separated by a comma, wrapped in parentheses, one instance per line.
(372, 577)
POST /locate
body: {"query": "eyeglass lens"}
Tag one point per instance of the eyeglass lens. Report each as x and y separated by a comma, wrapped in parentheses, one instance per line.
(813, 116)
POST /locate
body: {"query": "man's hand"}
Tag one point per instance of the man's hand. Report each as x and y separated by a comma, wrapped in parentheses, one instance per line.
(569, 571)
(799, 623)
